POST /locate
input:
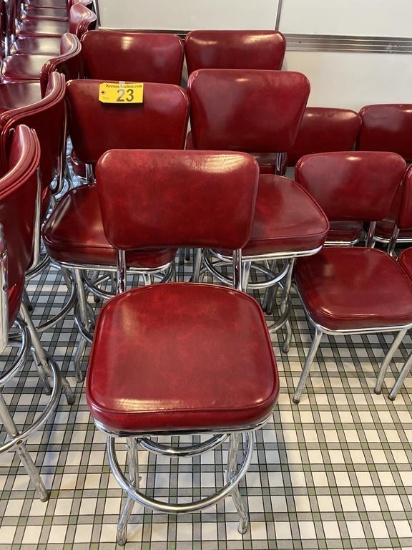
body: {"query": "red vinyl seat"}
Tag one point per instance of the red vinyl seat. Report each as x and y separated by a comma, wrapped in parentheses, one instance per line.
(234, 49)
(74, 235)
(46, 27)
(387, 127)
(197, 358)
(353, 290)
(51, 13)
(260, 111)
(38, 67)
(80, 21)
(18, 198)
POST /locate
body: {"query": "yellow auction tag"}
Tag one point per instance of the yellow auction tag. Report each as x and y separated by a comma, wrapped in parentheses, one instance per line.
(120, 92)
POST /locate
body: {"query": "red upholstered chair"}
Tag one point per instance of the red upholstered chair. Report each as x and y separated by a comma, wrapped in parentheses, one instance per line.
(74, 235)
(134, 56)
(48, 118)
(325, 129)
(405, 261)
(49, 13)
(234, 49)
(80, 22)
(388, 127)
(259, 112)
(38, 67)
(80, 18)
(18, 197)
(158, 337)
(353, 290)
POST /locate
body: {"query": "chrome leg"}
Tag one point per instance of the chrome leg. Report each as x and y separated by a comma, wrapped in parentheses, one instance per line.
(385, 363)
(24, 456)
(83, 320)
(403, 374)
(26, 300)
(284, 305)
(197, 262)
(42, 358)
(133, 462)
(245, 275)
(308, 363)
(231, 473)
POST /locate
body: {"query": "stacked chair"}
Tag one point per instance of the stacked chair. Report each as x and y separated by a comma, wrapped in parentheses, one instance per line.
(32, 143)
(18, 217)
(73, 235)
(81, 19)
(353, 290)
(259, 112)
(387, 127)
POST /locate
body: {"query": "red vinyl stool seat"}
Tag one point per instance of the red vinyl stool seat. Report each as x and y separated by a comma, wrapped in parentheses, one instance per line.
(179, 358)
(181, 387)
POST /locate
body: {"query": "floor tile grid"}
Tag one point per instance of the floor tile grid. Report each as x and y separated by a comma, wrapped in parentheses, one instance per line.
(333, 472)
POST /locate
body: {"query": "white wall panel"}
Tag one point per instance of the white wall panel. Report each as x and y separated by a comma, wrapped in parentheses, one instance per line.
(188, 14)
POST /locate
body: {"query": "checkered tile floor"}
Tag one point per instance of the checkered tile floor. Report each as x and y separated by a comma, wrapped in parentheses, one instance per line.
(333, 473)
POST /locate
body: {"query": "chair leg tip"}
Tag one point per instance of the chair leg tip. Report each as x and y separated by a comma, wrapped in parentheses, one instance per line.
(392, 397)
(296, 400)
(377, 392)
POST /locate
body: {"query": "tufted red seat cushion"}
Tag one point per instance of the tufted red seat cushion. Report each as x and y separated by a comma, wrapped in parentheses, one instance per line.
(354, 288)
(287, 219)
(74, 234)
(179, 357)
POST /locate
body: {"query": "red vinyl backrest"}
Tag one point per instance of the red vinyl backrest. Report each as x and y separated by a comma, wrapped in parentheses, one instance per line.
(387, 127)
(325, 129)
(157, 198)
(234, 49)
(134, 56)
(246, 110)
(352, 185)
(160, 122)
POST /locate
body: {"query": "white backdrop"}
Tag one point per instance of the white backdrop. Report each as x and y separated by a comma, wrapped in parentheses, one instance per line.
(183, 15)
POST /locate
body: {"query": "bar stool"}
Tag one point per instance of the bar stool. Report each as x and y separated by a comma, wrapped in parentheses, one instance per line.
(179, 358)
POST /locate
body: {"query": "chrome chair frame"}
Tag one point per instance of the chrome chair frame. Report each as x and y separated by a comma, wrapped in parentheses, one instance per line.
(320, 331)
